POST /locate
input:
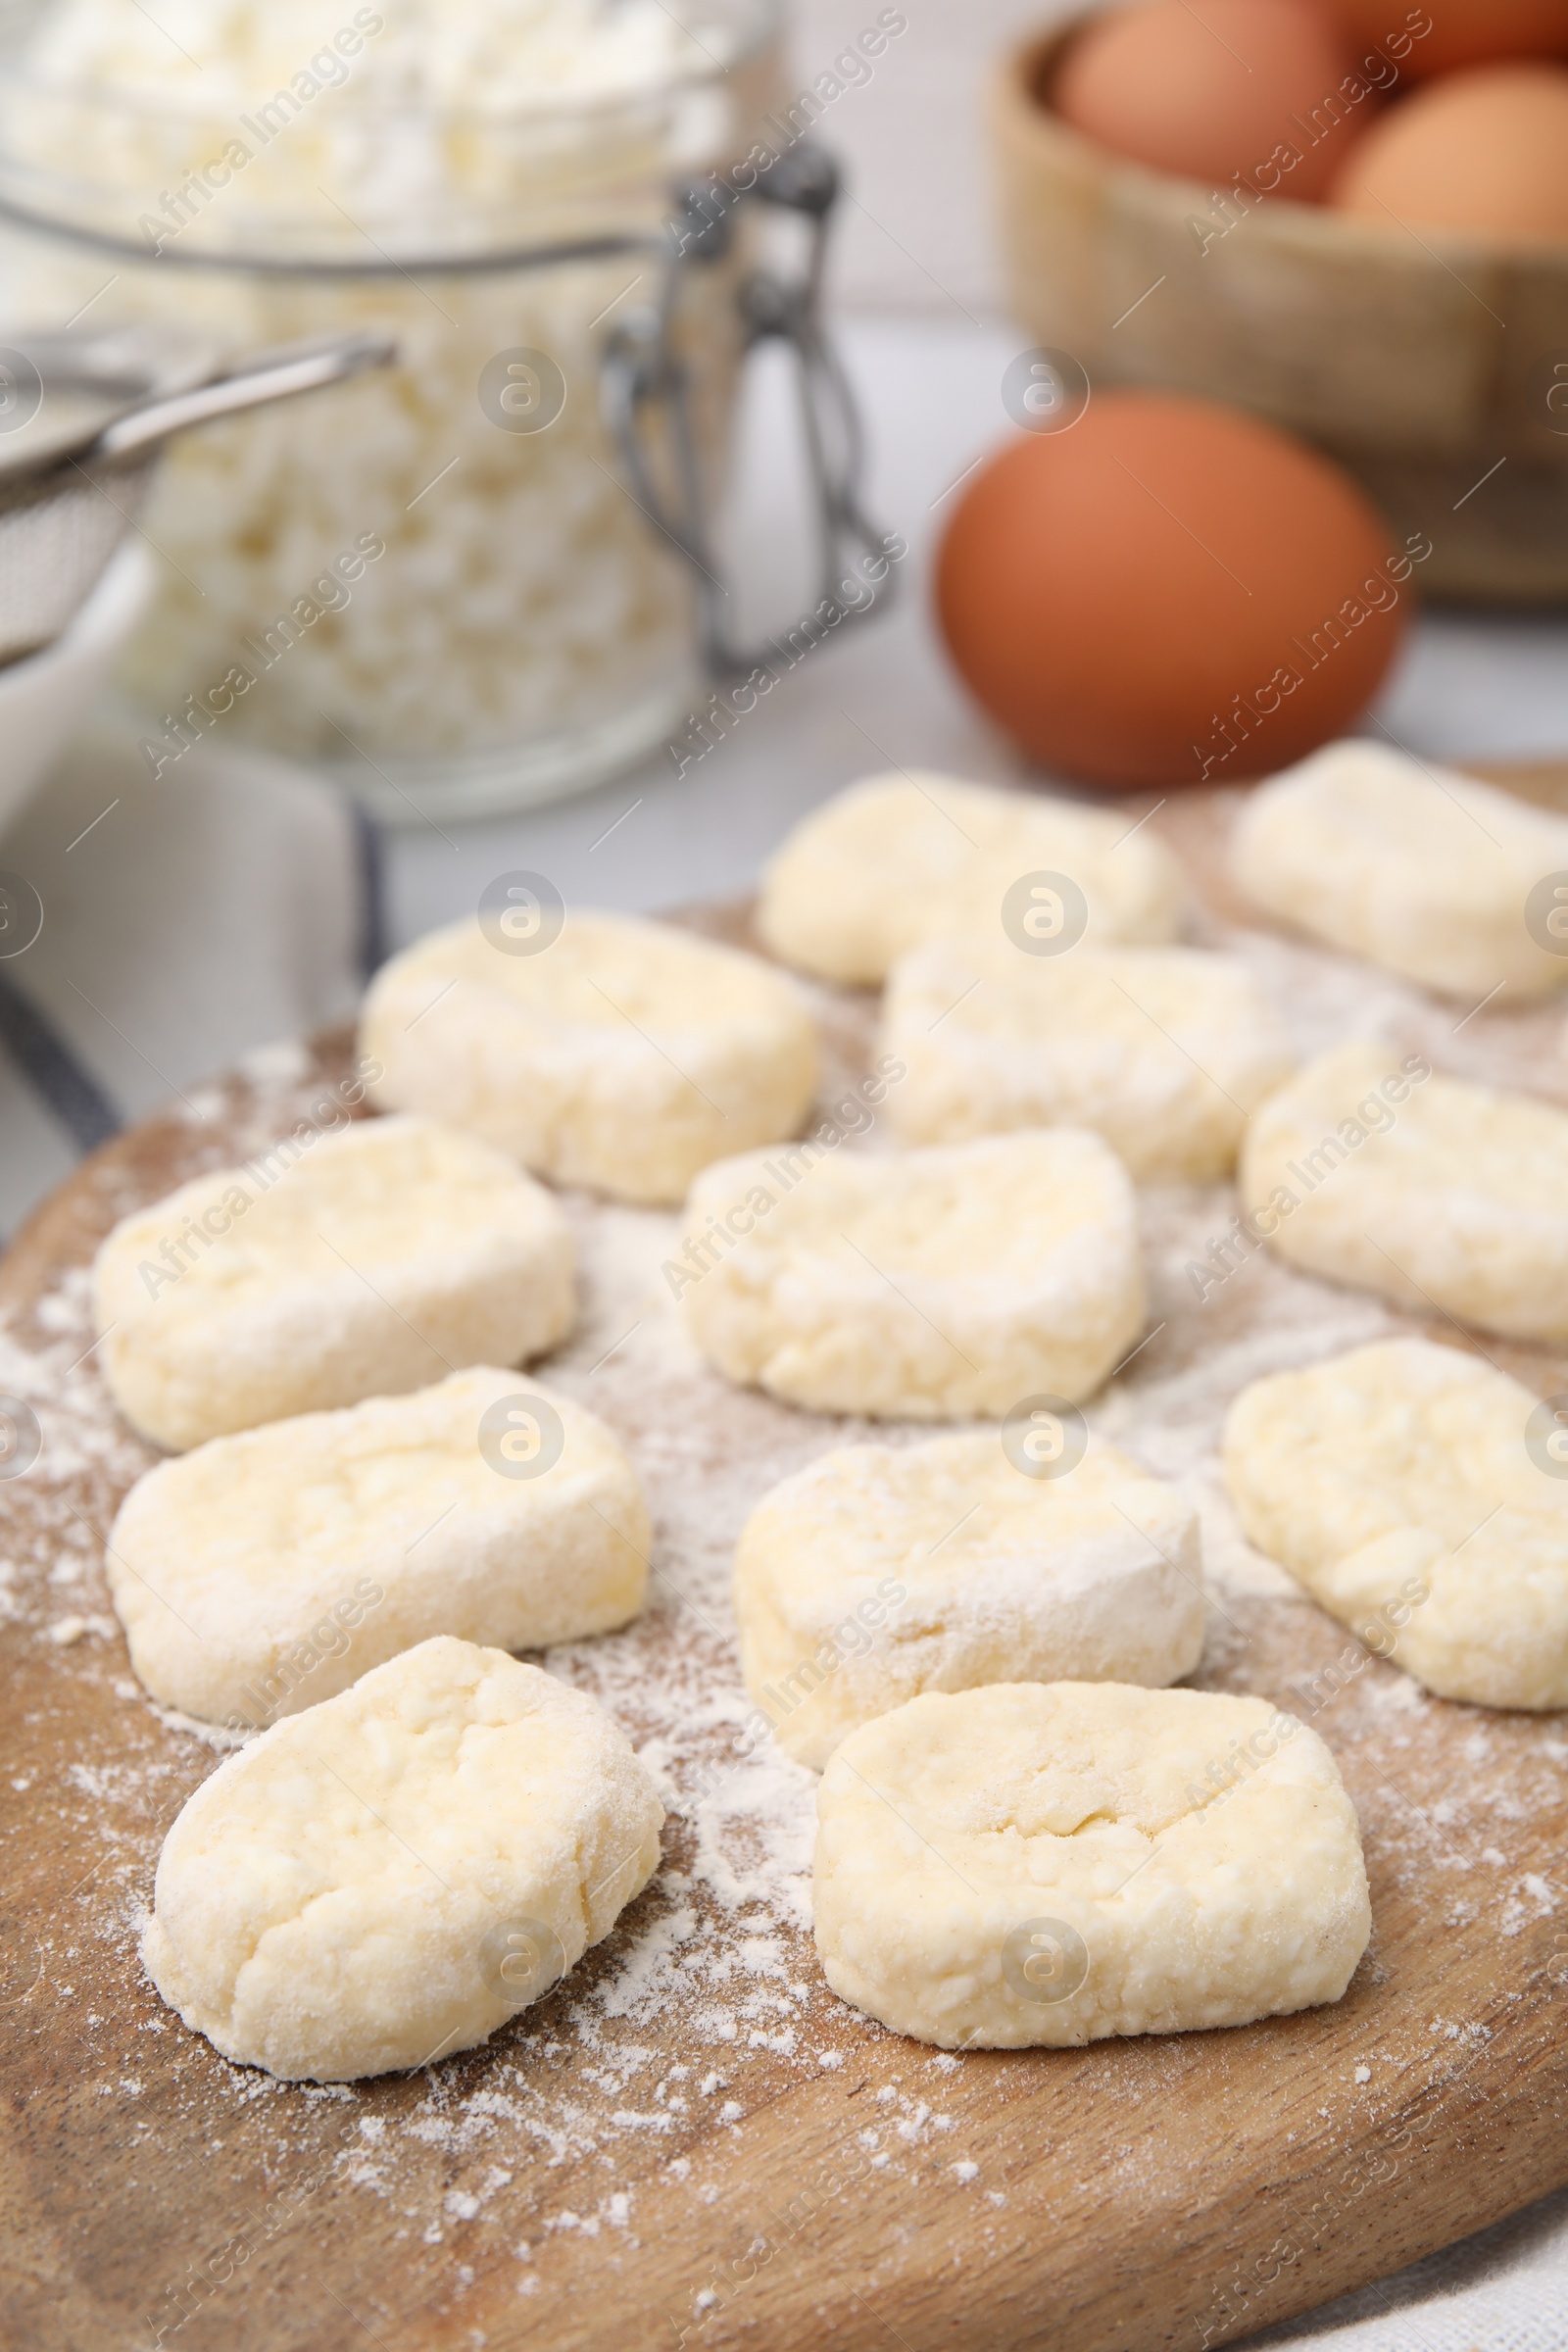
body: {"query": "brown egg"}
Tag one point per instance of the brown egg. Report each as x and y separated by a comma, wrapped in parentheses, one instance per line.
(1169, 592)
(1451, 33)
(1217, 89)
(1484, 150)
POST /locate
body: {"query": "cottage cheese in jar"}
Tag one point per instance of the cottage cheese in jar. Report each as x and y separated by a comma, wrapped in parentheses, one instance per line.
(435, 578)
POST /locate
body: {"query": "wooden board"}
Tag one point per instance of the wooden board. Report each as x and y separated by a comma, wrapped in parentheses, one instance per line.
(692, 2140)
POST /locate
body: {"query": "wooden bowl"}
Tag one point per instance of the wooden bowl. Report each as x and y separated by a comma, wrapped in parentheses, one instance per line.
(1427, 365)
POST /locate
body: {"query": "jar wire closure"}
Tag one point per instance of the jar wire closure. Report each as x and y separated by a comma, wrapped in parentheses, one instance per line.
(643, 366)
(643, 370)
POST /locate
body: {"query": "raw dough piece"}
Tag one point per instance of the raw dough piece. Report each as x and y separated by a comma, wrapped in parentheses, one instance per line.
(1397, 1482)
(881, 1571)
(935, 1285)
(624, 1057)
(1162, 1051)
(1049, 1863)
(1450, 1198)
(265, 1572)
(392, 1875)
(357, 1265)
(1422, 871)
(896, 860)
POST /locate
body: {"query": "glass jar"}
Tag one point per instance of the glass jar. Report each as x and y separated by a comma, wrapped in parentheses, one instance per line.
(437, 579)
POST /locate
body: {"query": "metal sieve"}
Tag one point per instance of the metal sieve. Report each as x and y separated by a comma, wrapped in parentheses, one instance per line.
(82, 421)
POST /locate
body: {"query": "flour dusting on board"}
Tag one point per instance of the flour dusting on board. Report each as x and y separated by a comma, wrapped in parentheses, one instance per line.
(706, 2004)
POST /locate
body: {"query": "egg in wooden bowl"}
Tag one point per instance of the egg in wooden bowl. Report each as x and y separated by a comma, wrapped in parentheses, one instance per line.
(1429, 362)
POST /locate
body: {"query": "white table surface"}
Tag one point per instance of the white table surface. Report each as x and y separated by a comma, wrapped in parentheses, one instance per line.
(883, 695)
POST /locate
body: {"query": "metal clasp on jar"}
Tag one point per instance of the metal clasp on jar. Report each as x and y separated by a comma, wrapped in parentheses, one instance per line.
(643, 370)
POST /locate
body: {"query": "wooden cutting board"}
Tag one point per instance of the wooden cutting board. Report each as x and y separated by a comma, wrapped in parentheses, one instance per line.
(693, 2142)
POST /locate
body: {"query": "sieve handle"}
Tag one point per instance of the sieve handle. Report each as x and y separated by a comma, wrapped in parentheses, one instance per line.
(275, 375)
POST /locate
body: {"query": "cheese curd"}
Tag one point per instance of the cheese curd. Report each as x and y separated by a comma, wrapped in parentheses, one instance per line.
(390, 1877)
(1049, 1863)
(882, 1571)
(1432, 874)
(1406, 1486)
(900, 858)
(625, 1056)
(327, 1269)
(265, 1572)
(937, 1285)
(1162, 1051)
(1448, 1197)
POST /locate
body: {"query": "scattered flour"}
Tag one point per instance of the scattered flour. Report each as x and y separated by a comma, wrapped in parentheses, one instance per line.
(651, 2062)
